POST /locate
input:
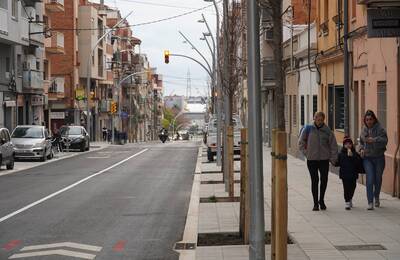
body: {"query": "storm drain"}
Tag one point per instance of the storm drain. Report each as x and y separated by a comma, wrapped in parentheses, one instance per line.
(371, 247)
(185, 246)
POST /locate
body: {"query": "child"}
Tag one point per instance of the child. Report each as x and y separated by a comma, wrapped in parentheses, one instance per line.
(349, 162)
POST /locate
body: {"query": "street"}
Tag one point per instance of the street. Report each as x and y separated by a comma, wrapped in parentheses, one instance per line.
(122, 202)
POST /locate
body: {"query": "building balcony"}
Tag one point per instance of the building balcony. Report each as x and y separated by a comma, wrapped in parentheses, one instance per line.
(56, 88)
(54, 5)
(55, 44)
(24, 26)
(3, 21)
(36, 33)
(32, 79)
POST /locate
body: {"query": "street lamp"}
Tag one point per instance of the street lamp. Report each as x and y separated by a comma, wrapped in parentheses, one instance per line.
(89, 70)
(219, 89)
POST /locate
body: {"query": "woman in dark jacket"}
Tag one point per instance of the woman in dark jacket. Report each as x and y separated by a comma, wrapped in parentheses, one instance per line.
(349, 162)
(373, 141)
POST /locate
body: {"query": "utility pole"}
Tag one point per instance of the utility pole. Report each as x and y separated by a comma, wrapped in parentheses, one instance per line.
(225, 87)
(346, 68)
(257, 225)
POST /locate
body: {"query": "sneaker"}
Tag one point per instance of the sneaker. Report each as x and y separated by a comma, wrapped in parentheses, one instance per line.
(316, 207)
(351, 203)
(370, 206)
(322, 205)
(377, 203)
(348, 207)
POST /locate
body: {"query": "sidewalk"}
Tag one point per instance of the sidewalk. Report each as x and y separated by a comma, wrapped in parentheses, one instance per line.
(316, 234)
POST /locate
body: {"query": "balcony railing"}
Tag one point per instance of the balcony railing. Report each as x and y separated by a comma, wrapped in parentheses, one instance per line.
(56, 43)
(32, 79)
(3, 21)
(54, 5)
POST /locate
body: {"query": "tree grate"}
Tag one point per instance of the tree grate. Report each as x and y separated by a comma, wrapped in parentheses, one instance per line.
(371, 247)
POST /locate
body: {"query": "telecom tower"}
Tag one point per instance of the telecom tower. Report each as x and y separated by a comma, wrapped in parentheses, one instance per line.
(188, 85)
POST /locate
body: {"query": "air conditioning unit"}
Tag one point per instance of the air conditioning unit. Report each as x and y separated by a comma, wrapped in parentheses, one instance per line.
(268, 34)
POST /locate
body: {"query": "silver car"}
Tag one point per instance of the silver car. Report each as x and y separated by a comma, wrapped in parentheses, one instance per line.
(31, 142)
(6, 149)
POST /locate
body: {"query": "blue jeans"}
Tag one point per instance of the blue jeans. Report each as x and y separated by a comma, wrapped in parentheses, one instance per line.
(374, 167)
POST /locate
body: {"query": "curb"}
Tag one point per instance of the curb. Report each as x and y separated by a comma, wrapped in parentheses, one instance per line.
(192, 220)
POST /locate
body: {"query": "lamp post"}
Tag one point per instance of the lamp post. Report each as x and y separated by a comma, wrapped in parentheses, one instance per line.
(219, 89)
(89, 71)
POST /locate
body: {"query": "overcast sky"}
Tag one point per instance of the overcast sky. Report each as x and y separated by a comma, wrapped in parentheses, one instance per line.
(165, 36)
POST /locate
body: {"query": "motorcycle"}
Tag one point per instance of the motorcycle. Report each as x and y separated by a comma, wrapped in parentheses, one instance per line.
(163, 136)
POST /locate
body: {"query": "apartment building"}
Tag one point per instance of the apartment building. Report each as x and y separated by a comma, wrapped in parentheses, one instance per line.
(375, 81)
(330, 61)
(21, 62)
(62, 63)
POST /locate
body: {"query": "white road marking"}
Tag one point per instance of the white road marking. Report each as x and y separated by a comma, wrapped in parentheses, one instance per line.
(68, 187)
(65, 244)
(98, 157)
(54, 252)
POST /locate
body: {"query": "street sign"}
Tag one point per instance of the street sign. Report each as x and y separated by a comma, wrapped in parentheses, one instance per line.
(384, 22)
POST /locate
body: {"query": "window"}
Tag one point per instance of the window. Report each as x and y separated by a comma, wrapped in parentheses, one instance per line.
(4, 4)
(19, 65)
(315, 104)
(353, 8)
(14, 8)
(362, 102)
(302, 110)
(286, 109)
(294, 110)
(382, 105)
(8, 65)
(326, 11)
(339, 107)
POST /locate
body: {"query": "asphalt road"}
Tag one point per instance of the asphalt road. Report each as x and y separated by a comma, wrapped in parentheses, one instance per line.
(130, 202)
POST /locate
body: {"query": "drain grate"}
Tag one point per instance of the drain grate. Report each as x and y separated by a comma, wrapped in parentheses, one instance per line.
(371, 247)
(185, 246)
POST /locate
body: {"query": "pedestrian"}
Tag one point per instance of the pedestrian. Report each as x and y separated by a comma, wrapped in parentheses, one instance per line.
(350, 164)
(318, 143)
(373, 141)
(105, 133)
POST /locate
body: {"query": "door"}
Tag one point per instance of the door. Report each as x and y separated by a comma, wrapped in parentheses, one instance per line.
(331, 106)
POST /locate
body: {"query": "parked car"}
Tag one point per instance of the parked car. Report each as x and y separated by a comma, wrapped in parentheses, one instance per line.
(211, 138)
(76, 136)
(6, 149)
(31, 142)
(183, 134)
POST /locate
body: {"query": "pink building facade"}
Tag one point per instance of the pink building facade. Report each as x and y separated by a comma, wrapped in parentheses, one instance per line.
(375, 85)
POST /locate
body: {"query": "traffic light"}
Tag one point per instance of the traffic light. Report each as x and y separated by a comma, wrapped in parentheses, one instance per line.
(166, 56)
(113, 107)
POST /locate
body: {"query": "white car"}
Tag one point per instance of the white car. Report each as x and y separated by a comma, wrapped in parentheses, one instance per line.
(212, 137)
(31, 142)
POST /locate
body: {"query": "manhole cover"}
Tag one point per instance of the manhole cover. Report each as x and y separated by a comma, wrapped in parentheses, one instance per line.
(185, 246)
(372, 247)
